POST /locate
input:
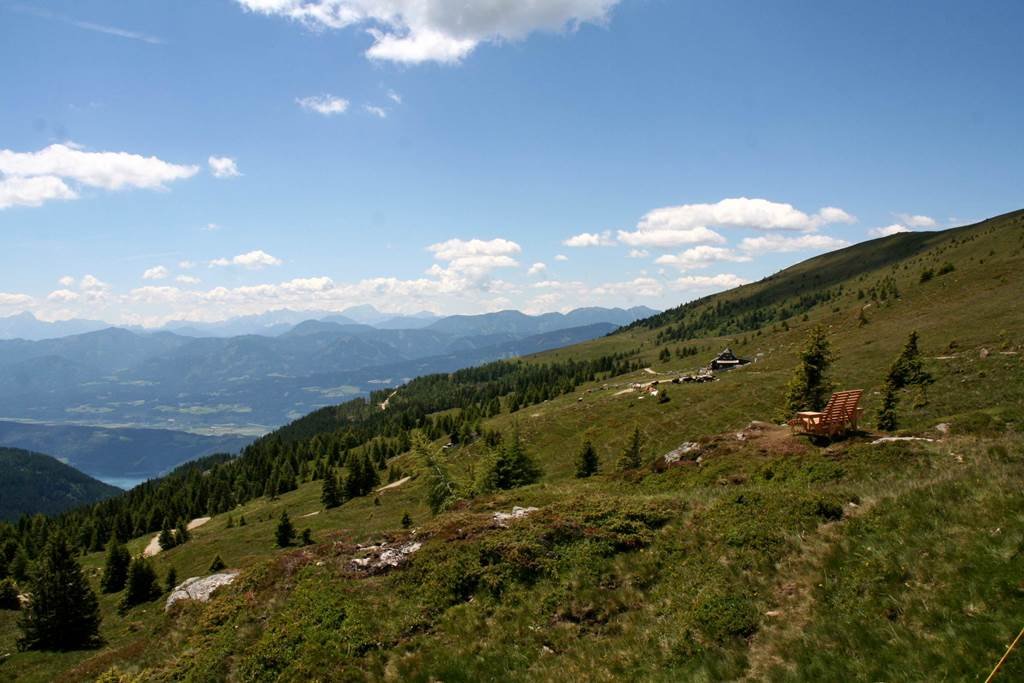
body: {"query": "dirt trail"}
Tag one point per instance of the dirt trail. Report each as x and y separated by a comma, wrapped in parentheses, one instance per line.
(650, 371)
(153, 547)
(384, 404)
(394, 484)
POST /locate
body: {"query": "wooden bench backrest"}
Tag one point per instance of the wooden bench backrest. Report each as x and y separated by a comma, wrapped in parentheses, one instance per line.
(841, 406)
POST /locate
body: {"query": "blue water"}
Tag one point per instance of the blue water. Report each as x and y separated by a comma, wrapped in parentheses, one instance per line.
(121, 482)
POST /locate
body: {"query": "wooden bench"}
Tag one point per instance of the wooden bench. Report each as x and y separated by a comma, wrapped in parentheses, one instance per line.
(840, 415)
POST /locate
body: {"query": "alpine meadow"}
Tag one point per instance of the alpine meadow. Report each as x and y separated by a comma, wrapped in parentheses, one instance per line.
(570, 340)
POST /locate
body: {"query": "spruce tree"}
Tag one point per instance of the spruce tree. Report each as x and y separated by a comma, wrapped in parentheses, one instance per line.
(406, 521)
(307, 536)
(170, 580)
(115, 570)
(166, 538)
(587, 461)
(508, 466)
(329, 495)
(181, 534)
(630, 458)
(907, 370)
(217, 565)
(62, 613)
(285, 531)
(141, 586)
(809, 388)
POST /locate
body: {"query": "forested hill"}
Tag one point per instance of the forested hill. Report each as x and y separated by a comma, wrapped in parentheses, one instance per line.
(32, 483)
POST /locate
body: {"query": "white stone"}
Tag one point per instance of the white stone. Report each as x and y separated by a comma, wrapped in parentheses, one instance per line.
(199, 588)
(502, 519)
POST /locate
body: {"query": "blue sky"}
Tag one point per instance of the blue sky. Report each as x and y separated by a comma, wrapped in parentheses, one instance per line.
(199, 160)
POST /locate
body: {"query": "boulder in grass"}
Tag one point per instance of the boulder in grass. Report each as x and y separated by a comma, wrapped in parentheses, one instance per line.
(199, 588)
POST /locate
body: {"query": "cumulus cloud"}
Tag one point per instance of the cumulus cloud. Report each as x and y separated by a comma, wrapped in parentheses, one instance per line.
(13, 300)
(639, 253)
(887, 230)
(700, 257)
(379, 112)
(32, 178)
(223, 167)
(673, 226)
(156, 273)
(537, 268)
(66, 281)
(416, 31)
(394, 97)
(561, 257)
(186, 265)
(781, 243)
(667, 238)
(917, 220)
(470, 262)
(590, 239)
(62, 296)
(718, 282)
(187, 280)
(18, 191)
(254, 260)
(328, 105)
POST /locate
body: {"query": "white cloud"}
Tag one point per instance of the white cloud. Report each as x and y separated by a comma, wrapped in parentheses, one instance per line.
(66, 281)
(62, 296)
(700, 257)
(718, 282)
(639, 253)
(673, 226)
(917, 220)
(11, 300)
(638, 287)
(328, 105)
(379, 112)
(781, 243)
(212, 227)
(537, 268)
(187, 280)
(561, 257)
(254, 260)
(416, 31)
(223, 167)
(470, 262)
(893, 229)
(31, 178)
(667, 238)
(590, 239)
(19, 191)
(394, 97)
(156, 273)
(186, 265)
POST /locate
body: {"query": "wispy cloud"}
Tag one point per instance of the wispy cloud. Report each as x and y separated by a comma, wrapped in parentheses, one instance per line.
(87, 25)
(327, 105)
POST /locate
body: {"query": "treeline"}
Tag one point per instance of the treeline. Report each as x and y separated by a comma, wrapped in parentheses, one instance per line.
(357, 437)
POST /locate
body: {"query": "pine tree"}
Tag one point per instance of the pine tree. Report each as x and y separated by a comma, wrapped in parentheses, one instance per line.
(241, 521)
(907, 370)
(329, 495)
(306, 538)
(141, 586)
(587, 461)
(166, 538)
(115, 570)
(630, 458)
(170, 580)
(809, 388)
(406, 521)
(181, 534)
(217, 565)
(508, 467)
(63, 613)
(285, 531)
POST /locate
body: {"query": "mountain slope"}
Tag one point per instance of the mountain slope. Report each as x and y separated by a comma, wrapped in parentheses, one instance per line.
(757, 555)
(33, 483)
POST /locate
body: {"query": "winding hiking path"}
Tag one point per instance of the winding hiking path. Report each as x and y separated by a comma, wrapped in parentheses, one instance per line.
(153, 547)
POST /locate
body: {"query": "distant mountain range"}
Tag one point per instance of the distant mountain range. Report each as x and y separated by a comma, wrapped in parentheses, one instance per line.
(273, 323)
(248, 383)
(32, 483)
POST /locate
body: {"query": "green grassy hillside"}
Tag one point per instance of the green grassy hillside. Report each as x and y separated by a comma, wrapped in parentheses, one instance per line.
(758, 556)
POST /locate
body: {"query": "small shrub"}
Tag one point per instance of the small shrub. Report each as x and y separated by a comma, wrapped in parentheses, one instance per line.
(926, 275)
(217, 565)
(723, 617)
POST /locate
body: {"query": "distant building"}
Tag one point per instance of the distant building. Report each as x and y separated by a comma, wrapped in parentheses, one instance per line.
(726, 360)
